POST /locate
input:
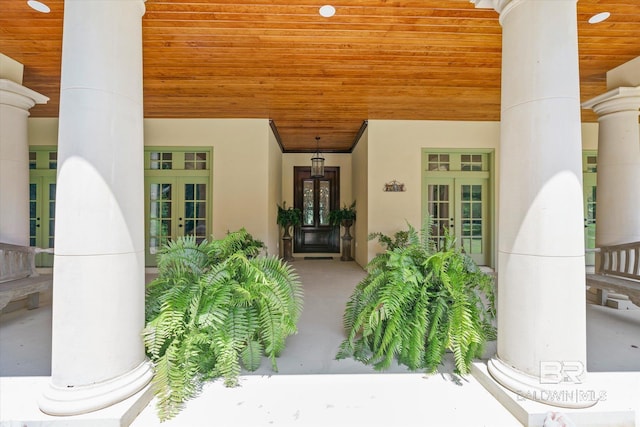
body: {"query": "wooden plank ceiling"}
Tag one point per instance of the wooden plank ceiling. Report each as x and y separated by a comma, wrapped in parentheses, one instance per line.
(316, 76)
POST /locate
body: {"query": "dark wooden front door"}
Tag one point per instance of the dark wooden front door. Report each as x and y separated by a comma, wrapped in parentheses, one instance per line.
(316, 197)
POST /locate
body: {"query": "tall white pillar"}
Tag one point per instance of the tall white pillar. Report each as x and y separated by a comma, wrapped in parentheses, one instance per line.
(541, 274)
(618, 220)
(15, 103)
(98, 280)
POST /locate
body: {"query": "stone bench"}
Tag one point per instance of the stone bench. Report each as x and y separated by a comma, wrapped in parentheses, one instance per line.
(18, 276)
(618, 271)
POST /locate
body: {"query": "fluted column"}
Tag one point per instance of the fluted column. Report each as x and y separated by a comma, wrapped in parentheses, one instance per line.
(618, 220)
(98, 280)
(541, 275)
(15, 103)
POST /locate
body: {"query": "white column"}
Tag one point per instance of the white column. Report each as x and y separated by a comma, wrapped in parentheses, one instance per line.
(98, 282)
(15, 103)
(541, 273)
(618, 201)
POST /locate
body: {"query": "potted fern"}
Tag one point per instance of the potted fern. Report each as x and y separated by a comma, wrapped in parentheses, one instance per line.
(344, 217)
(215, 307)
(288, 217)
(417, 302)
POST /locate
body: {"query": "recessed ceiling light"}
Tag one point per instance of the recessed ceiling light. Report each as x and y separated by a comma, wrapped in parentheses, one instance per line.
(599, 17)
(327, 11)
(39, 6)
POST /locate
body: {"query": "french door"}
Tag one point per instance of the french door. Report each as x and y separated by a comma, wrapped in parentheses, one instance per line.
(175, 206)
(316, 197)
(459, 206)
(42, 209)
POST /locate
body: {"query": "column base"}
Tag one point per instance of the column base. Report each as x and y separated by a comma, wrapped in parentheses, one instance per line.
(83, 399)
(562, 395)
(617, 405)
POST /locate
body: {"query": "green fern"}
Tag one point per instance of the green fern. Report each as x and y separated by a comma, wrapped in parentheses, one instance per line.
(416, 303)
(216, 307)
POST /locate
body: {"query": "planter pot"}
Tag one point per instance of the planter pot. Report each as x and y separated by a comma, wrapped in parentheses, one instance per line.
(287, 252)
(346, 240)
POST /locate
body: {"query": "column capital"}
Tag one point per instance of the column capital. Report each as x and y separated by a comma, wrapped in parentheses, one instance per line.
(141, 4)
(500, 6)
(16, 95)
(497, 5)
(615, 101)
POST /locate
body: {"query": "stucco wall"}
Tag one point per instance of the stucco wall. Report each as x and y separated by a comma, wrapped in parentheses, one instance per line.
(43, 131)
(589, 136)
(240, 172)
(274, 189)
(359, 162)
(395, 153)
(247, 188)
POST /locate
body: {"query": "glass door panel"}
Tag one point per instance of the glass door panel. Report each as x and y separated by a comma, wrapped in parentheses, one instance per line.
(589, 188)
(51, 205)
(160, 230)
(471, 219)
(308, 199)
(195, 209)
(34, 212)
(324, 202)
(42, 207)
(439, 201)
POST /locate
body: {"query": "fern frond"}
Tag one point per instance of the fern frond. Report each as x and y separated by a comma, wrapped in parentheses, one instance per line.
(171, 385)
(251, 355)
(183, 257)
(286, 280)
(427, 241)
(413, 238)
(227, 363)
(390, 341)
(353, 307)
(415, 333)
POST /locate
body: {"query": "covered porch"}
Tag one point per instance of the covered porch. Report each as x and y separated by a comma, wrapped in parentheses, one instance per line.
(312, 388)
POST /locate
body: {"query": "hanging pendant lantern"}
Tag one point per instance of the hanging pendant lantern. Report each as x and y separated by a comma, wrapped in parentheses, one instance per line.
(317, 162)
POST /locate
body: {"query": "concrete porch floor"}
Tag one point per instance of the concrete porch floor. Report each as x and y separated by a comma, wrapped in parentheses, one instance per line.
(311, 387)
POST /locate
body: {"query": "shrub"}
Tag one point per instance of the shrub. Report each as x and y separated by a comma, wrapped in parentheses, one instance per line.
(214, 306)
(415, 303)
